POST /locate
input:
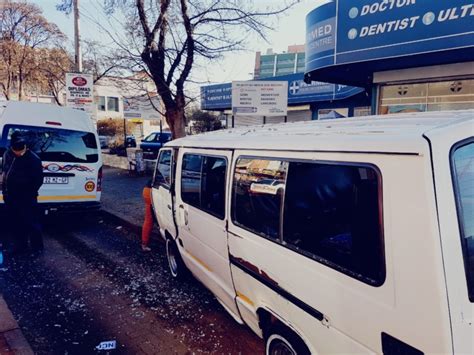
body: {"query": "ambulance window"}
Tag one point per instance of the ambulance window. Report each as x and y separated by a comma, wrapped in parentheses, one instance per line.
(332, 214)
(259, 186)
(163, 169)
(462, 158)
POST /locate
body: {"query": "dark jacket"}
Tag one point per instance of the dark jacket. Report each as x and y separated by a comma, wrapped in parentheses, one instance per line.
(22, 176)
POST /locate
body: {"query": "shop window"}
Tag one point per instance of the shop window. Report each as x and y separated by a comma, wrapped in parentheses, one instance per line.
(101, 103)
(259, 186)
(451, 95)
(403, 98)
(113, 104)
(435, 96)
(332, 214)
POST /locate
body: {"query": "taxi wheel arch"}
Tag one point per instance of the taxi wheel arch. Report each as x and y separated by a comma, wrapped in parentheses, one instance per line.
(278, 336)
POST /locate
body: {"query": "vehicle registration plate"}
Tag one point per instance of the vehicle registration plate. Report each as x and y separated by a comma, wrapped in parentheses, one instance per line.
(56, 180)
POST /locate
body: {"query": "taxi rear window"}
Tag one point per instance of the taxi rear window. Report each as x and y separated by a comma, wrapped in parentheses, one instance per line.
(58, 145)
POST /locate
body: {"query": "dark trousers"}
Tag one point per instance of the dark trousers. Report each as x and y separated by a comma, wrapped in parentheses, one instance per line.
(24, 221)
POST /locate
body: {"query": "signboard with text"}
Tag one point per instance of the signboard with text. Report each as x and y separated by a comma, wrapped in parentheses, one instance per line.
(219, 96)
(141, 108)
(260, 98)
(80, 92)
(347, 31)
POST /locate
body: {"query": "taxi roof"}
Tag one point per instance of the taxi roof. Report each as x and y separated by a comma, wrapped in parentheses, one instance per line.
(400, 133)
(37, 114)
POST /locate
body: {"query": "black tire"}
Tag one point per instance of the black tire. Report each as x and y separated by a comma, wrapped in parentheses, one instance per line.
(282, 341)
(175, 262)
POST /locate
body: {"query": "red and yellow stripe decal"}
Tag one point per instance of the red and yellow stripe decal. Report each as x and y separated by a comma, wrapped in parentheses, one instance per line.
(63, 198)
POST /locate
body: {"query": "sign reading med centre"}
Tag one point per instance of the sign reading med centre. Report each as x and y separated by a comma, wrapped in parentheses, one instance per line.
(260, 98)
(347, 31)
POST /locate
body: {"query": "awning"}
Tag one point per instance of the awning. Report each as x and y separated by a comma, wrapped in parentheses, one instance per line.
(347, 41)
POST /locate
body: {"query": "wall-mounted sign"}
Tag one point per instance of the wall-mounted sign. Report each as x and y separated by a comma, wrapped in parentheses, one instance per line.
(140, 108)
(260, 98)
(80, 91)
(346, 31)
(219, 97)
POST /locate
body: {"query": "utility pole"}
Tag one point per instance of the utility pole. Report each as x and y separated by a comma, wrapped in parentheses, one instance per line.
(77, 37)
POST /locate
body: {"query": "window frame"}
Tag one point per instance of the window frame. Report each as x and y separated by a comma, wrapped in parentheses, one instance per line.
(223, 218)
(320, 260)
(162, 184)
(116, 100)
(459, 216)
(102, 107)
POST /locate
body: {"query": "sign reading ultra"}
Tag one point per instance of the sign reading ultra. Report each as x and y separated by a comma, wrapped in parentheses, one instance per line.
(79, 91)
(347, 31)
(260, 98)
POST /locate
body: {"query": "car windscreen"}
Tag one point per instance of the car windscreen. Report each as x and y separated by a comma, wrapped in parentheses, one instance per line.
(462, 163)
(58, 145)
(150, 138)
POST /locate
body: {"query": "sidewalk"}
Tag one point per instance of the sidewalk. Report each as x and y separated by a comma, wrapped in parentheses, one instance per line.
(122, 197)
(12, 340)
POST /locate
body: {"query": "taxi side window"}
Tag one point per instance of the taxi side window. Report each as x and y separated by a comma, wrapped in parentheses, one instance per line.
(203, 183)
(163, 170)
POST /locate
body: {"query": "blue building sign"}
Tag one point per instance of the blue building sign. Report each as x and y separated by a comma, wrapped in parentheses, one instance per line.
(346, 31)
(219, 97)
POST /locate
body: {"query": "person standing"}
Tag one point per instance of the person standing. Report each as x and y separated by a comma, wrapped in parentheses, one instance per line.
(148, 222)
(22, 178)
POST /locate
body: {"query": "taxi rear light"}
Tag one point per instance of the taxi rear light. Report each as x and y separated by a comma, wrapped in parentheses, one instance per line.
(99, 180)
(52, 123)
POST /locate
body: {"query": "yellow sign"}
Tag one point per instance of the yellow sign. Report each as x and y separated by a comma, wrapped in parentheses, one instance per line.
(89, 186)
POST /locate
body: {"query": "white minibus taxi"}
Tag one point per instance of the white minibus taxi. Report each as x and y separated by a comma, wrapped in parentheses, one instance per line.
(344, 236)
(67, 143)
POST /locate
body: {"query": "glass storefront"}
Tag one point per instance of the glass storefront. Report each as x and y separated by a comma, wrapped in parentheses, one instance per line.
(420, 97)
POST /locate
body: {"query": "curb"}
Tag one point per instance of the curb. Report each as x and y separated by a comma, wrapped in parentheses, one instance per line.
(135, 228)
(12, 340)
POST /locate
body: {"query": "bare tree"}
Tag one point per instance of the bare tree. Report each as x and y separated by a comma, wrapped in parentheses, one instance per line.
(23, 30)
(165, 38)
(100, 62)
(51, 73)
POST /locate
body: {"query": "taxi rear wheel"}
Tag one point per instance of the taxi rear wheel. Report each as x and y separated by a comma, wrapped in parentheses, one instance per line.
(175, 262)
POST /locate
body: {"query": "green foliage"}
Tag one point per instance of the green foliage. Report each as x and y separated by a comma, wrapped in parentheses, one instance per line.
(203, 121)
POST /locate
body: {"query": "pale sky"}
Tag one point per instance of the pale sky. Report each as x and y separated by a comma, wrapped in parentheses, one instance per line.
(235, 66)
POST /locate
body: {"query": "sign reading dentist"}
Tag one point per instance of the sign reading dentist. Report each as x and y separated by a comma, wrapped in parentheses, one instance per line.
(260, 98)
(347, 31)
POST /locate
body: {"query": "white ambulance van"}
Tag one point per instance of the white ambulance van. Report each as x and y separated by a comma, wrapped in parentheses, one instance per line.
(350, 236)
(67, 143)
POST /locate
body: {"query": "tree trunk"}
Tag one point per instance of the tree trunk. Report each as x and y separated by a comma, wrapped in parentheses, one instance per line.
(175, 119)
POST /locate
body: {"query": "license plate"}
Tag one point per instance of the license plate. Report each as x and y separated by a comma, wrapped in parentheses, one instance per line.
(55, 180)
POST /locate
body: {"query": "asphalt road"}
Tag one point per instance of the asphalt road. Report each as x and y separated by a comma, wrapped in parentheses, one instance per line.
(94, 284)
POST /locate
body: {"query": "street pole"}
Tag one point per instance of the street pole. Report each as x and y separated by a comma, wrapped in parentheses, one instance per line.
(77, 37)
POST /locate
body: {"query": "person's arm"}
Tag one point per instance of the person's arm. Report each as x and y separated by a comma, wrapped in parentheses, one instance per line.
(37, 172)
